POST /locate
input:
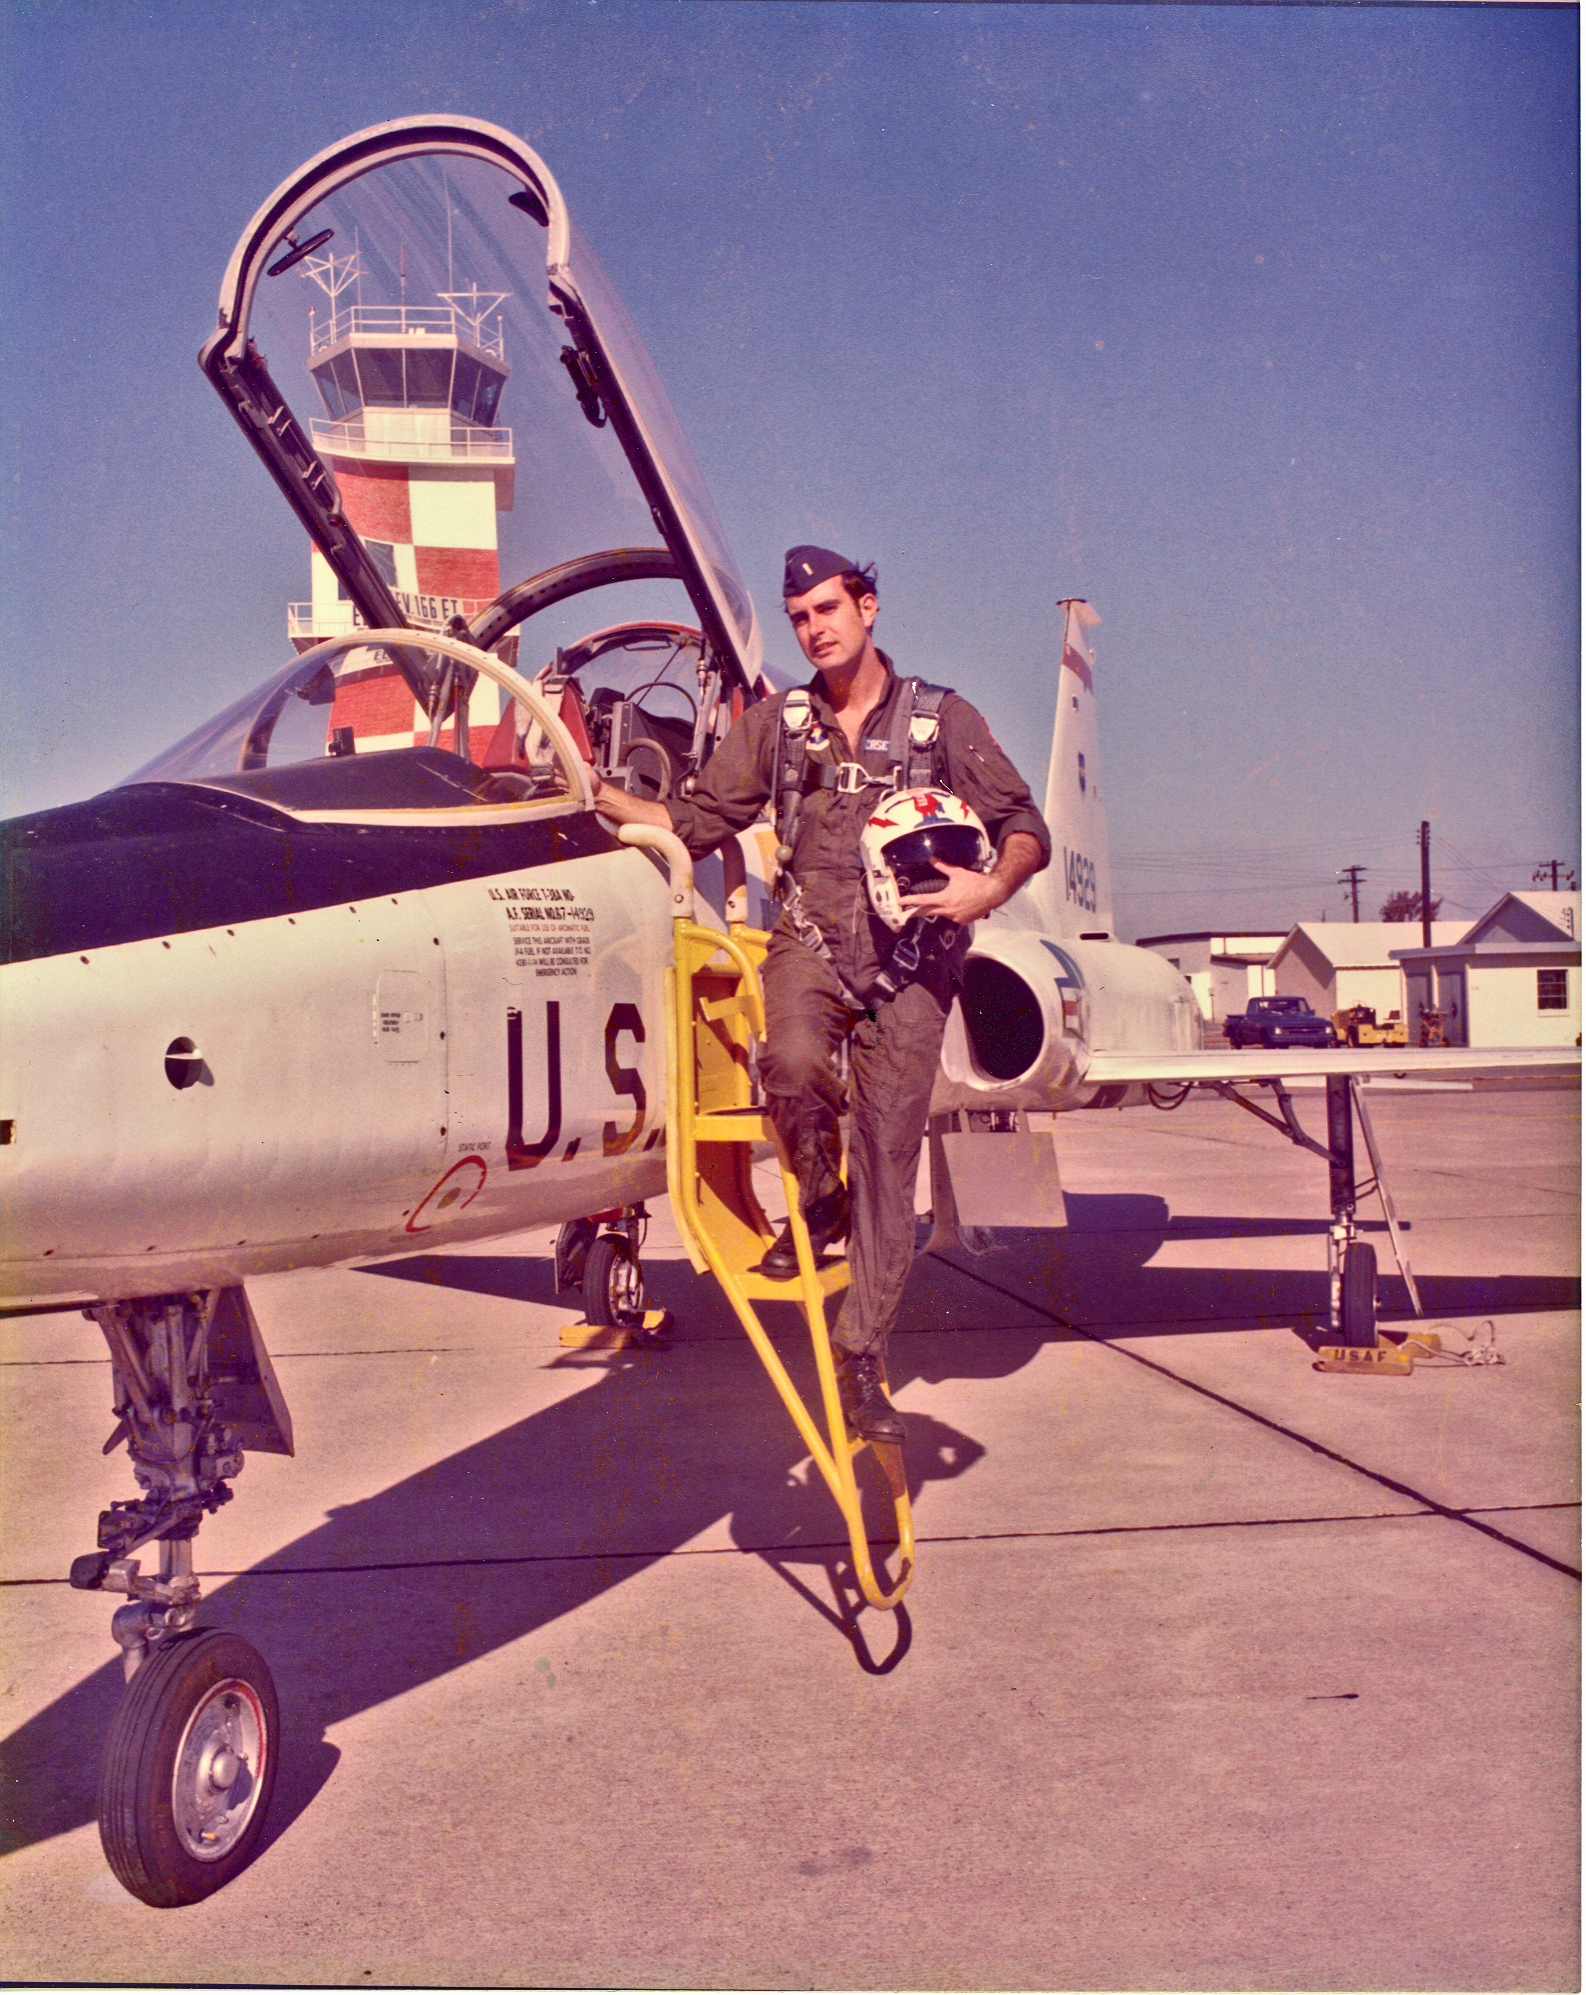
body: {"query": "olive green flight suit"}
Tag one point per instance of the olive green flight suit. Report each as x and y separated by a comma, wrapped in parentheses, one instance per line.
(814, 1006)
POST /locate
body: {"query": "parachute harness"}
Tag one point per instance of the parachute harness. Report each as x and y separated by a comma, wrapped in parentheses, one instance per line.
(911, 762)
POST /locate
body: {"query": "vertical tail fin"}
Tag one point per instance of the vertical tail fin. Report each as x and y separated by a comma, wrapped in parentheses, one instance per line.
(1074, 894)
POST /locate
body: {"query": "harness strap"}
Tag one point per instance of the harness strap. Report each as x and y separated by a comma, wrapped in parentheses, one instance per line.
(911, 763)
(911, 746)
(894, 973)
(796, 717)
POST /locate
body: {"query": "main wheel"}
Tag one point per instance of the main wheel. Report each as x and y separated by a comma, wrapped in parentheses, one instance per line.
(613, 1283)
(189, 1767)
(1358, 1303)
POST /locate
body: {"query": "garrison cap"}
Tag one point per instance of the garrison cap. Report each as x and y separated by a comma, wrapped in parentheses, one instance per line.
(807, 567)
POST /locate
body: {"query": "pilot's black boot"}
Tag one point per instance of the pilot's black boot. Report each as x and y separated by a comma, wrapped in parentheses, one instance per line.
(827, 1220)
(865, 1404)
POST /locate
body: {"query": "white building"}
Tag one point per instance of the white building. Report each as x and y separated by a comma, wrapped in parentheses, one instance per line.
(1335, 964)
(1224, 971)
(1511, 979)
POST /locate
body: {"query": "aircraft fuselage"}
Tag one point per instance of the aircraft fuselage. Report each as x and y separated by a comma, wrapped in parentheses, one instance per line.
(294, 1044)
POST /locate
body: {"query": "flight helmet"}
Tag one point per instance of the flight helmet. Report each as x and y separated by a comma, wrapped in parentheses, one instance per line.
(905, 836)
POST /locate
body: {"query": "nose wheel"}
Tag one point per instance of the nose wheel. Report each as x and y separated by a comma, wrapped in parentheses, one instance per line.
(189, 1765)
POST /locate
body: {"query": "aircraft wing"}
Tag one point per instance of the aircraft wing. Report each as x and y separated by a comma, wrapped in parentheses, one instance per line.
(1305, 1063)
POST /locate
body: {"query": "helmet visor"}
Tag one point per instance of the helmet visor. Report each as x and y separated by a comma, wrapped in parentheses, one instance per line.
(914, 855)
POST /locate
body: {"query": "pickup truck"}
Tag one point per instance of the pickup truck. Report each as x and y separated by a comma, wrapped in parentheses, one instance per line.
(1277, 1021)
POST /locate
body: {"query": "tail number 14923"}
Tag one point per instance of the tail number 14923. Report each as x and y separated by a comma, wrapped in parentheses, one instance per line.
(1079, 879)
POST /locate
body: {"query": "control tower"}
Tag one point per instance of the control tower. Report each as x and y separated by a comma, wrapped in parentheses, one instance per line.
(410, 393)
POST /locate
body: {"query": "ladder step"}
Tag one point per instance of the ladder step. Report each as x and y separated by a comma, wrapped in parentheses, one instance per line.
(716, 1009)
(832, 1278)
(733, 1125)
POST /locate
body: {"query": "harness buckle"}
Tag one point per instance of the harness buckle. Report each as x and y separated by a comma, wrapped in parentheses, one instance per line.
(852, 777)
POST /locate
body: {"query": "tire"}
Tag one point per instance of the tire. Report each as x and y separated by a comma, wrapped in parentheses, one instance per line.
(1358, 1305)
(573, 1243)
(189, 1768)
(613, 1283)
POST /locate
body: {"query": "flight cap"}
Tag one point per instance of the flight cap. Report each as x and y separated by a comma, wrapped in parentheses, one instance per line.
(807, 567)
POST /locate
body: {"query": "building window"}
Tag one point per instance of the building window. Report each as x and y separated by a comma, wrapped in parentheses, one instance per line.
(1552, 990)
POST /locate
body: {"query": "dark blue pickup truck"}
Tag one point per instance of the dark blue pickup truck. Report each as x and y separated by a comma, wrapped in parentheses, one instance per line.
(1278, 1021)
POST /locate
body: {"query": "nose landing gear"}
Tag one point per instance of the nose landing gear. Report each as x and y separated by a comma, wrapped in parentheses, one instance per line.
(189, 1768)
(190, 1761)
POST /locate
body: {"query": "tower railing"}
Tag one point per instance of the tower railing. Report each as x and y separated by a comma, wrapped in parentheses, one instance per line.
(408, 442)
(403, 322)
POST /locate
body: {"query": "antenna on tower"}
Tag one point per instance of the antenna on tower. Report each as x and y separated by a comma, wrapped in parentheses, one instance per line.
(472, 307)
(334, 273)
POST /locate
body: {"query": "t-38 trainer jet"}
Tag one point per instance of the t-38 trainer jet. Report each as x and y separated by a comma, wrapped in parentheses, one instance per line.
(355, 969)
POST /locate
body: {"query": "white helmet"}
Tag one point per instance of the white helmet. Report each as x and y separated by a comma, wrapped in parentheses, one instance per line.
(905, 835)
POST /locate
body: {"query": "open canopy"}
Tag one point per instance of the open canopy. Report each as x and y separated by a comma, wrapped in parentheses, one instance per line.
(423, 348)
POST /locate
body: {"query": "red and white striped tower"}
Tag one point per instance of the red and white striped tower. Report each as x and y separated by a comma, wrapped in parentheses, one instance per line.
(410, 394)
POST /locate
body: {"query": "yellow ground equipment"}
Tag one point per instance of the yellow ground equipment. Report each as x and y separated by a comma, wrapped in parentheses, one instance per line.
(715, 1010)
(1357, 1025)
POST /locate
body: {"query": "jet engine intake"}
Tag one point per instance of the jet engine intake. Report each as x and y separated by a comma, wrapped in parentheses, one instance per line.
(1016, 1037)
(1032, 1010)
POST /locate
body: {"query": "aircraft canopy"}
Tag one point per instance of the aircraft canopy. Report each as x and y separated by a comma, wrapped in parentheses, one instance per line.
(423, 347)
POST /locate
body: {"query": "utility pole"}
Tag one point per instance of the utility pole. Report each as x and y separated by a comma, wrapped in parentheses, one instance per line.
(1546, 866)
(1354, 875)
(1426, 884)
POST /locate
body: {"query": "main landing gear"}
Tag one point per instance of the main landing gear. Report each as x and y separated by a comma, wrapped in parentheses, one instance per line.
(600, 1257)
(1351, 1261)
(190, 1761)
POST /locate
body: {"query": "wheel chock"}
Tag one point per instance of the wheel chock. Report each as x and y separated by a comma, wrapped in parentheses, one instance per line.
(650, 1332)
(1382, 1361)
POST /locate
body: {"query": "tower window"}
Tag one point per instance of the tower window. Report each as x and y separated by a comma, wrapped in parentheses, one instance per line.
(380, 372)
(429, 379)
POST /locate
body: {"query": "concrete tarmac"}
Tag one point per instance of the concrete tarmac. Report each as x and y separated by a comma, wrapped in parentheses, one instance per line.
(1218, 1672)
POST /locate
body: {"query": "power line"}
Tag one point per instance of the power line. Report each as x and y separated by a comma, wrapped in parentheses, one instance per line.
(1354, 875)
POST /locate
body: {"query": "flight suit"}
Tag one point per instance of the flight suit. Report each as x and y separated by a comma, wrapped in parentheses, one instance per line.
(820, 991)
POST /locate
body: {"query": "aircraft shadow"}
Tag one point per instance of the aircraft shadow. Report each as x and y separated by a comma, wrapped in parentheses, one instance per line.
(402, 1587)
(484, 1547)
(1098, 1273)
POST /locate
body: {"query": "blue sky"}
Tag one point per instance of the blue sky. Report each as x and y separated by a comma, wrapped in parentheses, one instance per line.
(1257, 326)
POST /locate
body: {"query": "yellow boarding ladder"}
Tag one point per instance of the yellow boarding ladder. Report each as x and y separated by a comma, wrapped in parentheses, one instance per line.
(715, 1009)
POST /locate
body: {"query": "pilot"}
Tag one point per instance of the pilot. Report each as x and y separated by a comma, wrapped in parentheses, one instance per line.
(835, 972)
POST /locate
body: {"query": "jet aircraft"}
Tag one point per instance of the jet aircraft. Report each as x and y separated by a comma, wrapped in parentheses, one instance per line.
(355, 969)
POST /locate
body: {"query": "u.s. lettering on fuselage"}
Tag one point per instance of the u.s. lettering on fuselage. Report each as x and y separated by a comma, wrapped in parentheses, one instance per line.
(622, 1020)
(1079, 879)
